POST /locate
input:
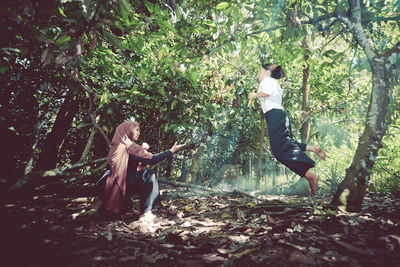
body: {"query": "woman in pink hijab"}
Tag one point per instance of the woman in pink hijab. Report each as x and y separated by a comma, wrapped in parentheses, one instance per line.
(126, 175)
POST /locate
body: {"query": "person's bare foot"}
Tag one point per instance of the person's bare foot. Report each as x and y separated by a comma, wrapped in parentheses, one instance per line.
(320, 152)
(312, 179)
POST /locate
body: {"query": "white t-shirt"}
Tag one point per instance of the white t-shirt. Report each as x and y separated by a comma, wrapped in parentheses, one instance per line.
(271, 87)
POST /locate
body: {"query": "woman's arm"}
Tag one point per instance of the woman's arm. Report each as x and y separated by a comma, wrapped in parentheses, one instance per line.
(159, 157)
(258, 94)
(154, 160)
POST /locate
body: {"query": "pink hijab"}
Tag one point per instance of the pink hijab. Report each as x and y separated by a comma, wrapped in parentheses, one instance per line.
(118, 157)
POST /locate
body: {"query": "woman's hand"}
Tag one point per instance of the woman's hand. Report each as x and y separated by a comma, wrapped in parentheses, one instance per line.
(145, 146)
(176, 147)
(126, 141)
(252, 95)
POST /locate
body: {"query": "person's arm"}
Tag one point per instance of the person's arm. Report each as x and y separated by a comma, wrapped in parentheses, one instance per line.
(159, 157)
(154, 160)
(258, 94)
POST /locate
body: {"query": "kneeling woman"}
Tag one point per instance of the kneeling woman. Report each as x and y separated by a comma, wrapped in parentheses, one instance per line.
(285, 149)
(127, 175)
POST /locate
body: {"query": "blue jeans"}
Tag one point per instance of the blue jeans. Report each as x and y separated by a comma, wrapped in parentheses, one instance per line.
(144, 184)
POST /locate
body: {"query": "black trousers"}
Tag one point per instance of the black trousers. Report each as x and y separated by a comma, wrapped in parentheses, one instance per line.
(144, 184)
(284, 147)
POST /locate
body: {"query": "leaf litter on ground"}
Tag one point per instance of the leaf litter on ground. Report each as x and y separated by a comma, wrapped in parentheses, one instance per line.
(218, 228)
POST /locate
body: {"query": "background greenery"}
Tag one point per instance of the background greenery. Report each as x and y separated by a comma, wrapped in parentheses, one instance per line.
(183, 69)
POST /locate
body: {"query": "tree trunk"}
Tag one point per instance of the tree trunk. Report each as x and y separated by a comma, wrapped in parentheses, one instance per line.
(351, 191)
(260, 153)
(86, 151)
(168, 169)
(49, 154)
(305, 126)
(184, 169)
(194, 169)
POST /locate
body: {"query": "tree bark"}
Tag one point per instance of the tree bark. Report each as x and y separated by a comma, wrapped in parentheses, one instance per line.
(194, 169)
(86, 151)
(305, 126)
(260, 152)
(168, 169)
(49, 154)
(351, 191)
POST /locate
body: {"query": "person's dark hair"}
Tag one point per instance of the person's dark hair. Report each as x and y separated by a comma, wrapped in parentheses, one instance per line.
(276, 71)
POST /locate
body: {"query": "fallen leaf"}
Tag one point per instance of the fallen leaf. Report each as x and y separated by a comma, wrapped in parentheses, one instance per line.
(212, 258)
(153, 258)
(314, 250)
(240, 214)
(167, 245)
(109, 236)
(224, 250)
(363, 251)
(240, 239)
(270, 219)
(250, 204)
(297, 256)
(225, 215)
(190, 209)
(127, 258)
(245, 252)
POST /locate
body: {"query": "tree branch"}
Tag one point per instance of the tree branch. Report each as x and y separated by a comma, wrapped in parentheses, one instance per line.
(234, 39)
(376, 19)
(394, 50)
(91, 96)
(353, 23)
(130, 72)
(316, 21)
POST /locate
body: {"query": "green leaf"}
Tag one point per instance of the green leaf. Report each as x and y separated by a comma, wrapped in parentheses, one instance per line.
(62, 40)
(88, 9)
(165, 24)
(330, 53)
(105, 98)
(192, 77)
(161, 91)
(225, 215)
(210, 23)
(176, 129)
(125, 5)
(222, 5)
(61, 12)
(3, 68)
(142, 76)
(113, 40)
(251, 204)
(150, 6)
(235, 14)
(179, 16)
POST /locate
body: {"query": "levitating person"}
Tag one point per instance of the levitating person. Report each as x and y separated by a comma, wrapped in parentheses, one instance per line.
(284, 147)
(127, 174)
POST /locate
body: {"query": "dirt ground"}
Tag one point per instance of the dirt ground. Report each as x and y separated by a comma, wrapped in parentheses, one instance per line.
(203, 228)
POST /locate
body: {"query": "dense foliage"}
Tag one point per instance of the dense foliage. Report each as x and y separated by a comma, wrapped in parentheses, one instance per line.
(183, 69)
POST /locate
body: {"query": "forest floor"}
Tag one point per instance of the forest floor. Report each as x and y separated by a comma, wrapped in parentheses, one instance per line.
(204, 228)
